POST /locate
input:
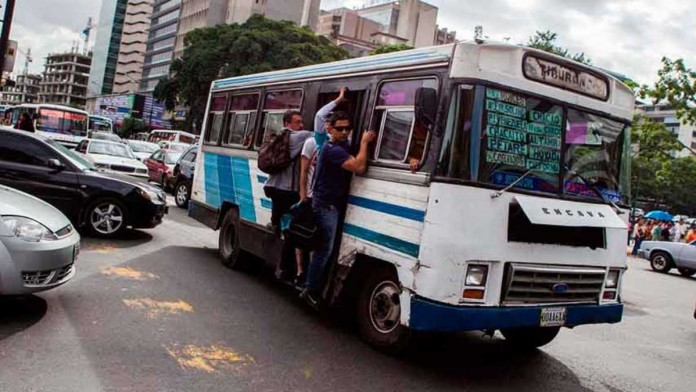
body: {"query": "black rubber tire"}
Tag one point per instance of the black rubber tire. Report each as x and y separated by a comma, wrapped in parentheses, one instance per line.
(397, 339)
(687, 271)
(228, 242)
(661, 262)
(87, 214)
(530, 338)
(184, 204)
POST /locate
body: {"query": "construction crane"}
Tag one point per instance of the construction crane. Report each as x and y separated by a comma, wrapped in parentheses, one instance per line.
(86, 32)
(27, 59)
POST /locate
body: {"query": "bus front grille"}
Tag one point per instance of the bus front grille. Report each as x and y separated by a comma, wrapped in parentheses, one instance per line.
(546, 284)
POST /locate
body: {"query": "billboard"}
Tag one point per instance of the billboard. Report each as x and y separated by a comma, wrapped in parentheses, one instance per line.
(141, 106)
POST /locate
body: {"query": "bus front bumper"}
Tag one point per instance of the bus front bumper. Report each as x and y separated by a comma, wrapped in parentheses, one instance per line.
(432, 316)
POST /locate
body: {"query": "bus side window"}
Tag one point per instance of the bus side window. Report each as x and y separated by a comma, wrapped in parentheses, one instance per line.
(215, 119)
(401, 138)
(241, 120)
(274, 106)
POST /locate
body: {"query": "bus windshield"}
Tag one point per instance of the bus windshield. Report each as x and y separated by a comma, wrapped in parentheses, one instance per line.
(552, 145)
(63, 122)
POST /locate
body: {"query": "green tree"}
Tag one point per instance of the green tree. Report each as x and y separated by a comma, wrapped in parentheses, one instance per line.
(131, 126)
(676, 85)
(227, 50)
(678, 179)
(546, 41)
(390, 48)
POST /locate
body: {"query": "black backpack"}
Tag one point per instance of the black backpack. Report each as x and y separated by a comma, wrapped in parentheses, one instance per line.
(274, 154)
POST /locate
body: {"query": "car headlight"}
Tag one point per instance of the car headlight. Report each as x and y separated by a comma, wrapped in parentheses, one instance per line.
(612, 281)
(28, 229)
(476, 275)
(148, 194)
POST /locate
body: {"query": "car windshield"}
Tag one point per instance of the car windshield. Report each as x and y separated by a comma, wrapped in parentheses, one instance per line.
(106, 136)
(143, 147)
(553, 146)
(178, 147)
(113, 149)
(172, 157)
(71, 155)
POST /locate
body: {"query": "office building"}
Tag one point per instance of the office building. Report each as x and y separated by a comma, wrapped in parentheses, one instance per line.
(350, 31)
(160, 43)
(302, 12)
(686, 133)
(106, 47)
(196, 14)
(131, 54)
(65, 79)
(414, 20)
(25, 90)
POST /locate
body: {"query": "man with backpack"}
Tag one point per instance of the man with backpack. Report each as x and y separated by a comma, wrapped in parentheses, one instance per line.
(278, 157)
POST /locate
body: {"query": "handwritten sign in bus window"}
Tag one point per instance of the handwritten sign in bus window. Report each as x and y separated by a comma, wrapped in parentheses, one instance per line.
(523, 133)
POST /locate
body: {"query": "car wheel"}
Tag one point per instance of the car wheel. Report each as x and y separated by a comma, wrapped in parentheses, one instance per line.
(378, 311)
(182, 193)
(530, 338)
(106, 217)
(661, 262)
(228, 242)
(687, 271)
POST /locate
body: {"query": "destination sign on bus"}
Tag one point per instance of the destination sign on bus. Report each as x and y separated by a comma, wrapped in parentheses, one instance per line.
(565, 76)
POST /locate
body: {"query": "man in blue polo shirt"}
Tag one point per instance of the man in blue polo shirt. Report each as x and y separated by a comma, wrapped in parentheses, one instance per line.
(334, 166)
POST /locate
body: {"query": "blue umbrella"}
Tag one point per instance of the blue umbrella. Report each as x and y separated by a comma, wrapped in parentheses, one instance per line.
(659, 215)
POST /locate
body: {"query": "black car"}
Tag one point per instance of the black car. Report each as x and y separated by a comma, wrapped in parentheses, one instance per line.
(182, 177)
(104, 203)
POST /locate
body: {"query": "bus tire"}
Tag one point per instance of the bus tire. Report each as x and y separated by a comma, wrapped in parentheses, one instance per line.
(228, 241)
(378, 312)
(530, 338)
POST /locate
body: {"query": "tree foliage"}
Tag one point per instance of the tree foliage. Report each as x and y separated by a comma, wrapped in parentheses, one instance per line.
(227, 50)
(546, 41)
(676, 85)
(131, 126)
(390, 48)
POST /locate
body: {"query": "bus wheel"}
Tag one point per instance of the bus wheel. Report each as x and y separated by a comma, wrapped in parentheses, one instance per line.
(379, 312)
(228, 241)
(530, 338)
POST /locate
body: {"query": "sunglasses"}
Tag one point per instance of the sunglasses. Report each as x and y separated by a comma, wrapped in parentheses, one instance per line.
(343, 129)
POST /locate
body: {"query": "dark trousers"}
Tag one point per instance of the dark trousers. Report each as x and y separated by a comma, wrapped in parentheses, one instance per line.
(282, 201)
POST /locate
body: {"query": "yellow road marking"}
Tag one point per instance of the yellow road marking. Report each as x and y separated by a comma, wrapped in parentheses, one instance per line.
(157, 308)
(100, 249)
(208, 359)
(128, 272)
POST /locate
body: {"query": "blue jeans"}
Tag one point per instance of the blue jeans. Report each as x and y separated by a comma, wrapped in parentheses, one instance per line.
(327, 221)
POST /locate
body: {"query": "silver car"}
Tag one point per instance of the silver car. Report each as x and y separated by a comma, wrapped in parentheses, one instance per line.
(38, 245)
(664, 256)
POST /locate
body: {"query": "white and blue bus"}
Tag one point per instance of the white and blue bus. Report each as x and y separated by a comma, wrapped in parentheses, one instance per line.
(513, 222)
(100, 124)
(63, 124)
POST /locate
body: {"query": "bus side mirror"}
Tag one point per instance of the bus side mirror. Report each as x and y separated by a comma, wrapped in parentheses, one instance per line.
(426, 106)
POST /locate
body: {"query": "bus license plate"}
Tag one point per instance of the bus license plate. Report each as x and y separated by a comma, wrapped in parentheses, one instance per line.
(552, 317)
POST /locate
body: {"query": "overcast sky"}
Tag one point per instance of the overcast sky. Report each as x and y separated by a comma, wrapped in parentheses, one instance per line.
(626, 36)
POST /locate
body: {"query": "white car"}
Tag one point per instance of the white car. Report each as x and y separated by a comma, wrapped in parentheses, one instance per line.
(141, 149)
(113, 157)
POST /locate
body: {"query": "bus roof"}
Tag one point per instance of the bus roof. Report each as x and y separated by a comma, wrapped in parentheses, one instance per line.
(408, 59)
(49, 106)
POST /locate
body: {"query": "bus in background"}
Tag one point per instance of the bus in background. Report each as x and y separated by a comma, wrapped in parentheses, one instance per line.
(63, 124)
(100, 124)
(495, 197)
(163, 135)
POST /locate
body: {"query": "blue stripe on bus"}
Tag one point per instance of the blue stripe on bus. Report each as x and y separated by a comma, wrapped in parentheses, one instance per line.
(392, 243)
(265, 203)
(212, 189)
(261, 179)
(243, 191)
(391, 209)
(225, 179)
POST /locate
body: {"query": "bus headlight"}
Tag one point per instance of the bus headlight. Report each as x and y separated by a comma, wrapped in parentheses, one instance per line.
(476, 275)
(612, 280)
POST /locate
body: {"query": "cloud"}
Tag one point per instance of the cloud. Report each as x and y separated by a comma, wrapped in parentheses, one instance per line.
(50, 26)
(629, 37)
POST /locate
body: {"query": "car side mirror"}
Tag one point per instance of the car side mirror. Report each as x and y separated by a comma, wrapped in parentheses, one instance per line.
(55, 164)
(426, 106)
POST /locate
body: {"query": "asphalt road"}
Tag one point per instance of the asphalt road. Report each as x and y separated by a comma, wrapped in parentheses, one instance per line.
(156, 311)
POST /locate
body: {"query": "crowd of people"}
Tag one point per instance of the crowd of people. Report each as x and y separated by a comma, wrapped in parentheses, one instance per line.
(653, 230)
